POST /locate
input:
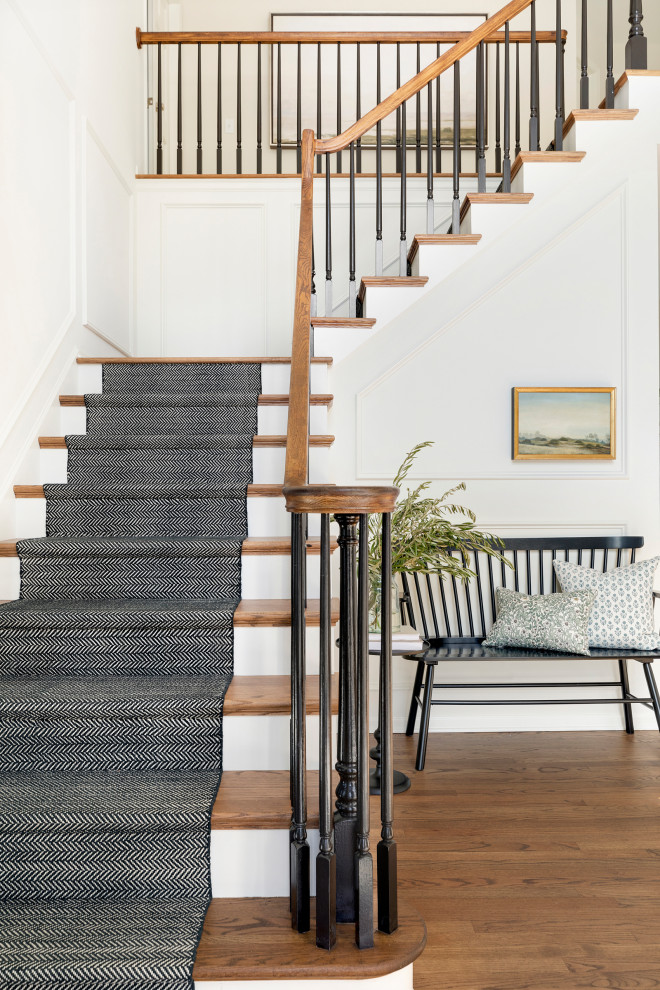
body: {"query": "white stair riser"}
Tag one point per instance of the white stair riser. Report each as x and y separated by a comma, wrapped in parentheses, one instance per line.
(402, 979)
(384, 302)
(254, 862)
(270, 419)
(261, 742)
(437, 261)
(90, 379)
(544, 178)
(263, 650)
(274, 378)
(600, 137)
(10, 578)
(340, 341)
(492, 219)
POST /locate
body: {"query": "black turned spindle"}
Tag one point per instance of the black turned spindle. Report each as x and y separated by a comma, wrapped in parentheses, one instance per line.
(358, 108)
(506, 165)
(398, 112)
(498, 146)
(179, 117)
(438, 120)
(326, 864)
(403, 213)
(559, 81)
(388, 918)
(379, 176)
(328, 240)
(346, 792)
(352, 293)
(313, 301)
(584, 64)
(516, 149)
(609, 79)
(159, 119)
(429, 160)
(299, 846)
(199, 109)
(481, 119)
(298, 111)
(218, 123)
(239, 111)
(278, 111)
(533, 93)
(319, 126)
(339, 102)
(364, 869)
(456, 162)
(259, 113)
(418, 119)
(538, 95)
(636, 54)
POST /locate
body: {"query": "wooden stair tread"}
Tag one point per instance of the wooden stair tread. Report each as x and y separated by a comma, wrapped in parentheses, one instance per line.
(554, 157)
(261, 440)
(270, 694)
(343, 321)
(251, 939)
(252, 546)
(195, 360)
(390, 281)
(447, 239)
(494, 199)
(263, 400)
(576, 115)
(267, 612)
(261, 799)
(253, 491)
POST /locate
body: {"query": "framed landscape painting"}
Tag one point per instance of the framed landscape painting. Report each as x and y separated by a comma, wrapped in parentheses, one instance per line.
(564, 423)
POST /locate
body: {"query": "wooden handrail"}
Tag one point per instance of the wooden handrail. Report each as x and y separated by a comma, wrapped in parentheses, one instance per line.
(418, 82)
(330, 37)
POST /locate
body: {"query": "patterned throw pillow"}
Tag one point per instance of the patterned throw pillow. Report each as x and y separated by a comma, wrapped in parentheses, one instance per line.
(542, 622)
(622, 616)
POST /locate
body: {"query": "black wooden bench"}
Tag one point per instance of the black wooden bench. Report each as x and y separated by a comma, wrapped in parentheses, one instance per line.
(455, 618)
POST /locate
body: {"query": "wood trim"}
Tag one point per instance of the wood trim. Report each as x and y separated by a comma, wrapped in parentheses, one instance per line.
(261, 440)
(196, 360)
(253, 491)
(529, 157)
(251, 938)
(261, 799)
(270, 694)
(253, 546)
(623, 79)
(295, 471)
(319, 399)
(447, 239)
(494, 199)
(330, 37)
(269, 612)
(421, 80)
(347, 499)
(343, 321)
(576, 115)
(391, 281)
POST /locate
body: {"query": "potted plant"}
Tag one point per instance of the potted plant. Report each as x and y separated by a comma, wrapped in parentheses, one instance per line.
(424, 530)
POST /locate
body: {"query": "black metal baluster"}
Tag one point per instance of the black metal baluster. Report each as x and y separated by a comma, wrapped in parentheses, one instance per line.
(498, 149)
(418, 119)
(218, 150)
(403, 247)
(326, 864)
(438, 120)
(339, 102)
(429, 161)
(609, 79)
(559, 82)
(455, 203)
(313, 301)
(328, 240)
(358, 107)
(352, 293)
(299, 846)
(299, 110)
(239, 111)
(259, 113)
(379, 176)
(364, 869)
(159, 119)
(199, 109)
(179, 117)
(481, 120)
(506, 167)
(584, 64)
(636, 54)
(319, 121)
(278, 154)
(538, 95)
(388, 918)
(533, 93)
(517, 145)
(398, 112)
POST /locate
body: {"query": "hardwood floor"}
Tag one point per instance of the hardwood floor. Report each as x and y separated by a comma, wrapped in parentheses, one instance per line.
(534, 859)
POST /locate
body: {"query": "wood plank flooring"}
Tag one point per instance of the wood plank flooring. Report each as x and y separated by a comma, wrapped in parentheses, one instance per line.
(534, 859)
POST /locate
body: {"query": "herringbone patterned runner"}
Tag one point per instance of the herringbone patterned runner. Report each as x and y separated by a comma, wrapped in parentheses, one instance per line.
(114, 664)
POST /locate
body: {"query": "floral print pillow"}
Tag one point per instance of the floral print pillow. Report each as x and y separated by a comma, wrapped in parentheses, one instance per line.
(622, 616)
(542, 622)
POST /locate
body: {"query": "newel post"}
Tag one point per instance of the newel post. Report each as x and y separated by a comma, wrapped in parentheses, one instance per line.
(636, 57)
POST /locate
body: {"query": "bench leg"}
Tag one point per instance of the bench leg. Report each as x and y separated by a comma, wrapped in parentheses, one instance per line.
(417, 686)
(625, 688)
(653, 691)
(426, 717)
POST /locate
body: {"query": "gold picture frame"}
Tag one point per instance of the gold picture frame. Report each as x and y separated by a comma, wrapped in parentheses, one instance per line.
(564, 423)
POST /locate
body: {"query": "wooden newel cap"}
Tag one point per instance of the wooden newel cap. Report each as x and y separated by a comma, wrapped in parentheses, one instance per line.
(339, 499)
(138, 37)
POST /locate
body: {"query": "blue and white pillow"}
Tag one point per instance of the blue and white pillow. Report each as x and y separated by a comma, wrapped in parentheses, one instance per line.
(622, 614)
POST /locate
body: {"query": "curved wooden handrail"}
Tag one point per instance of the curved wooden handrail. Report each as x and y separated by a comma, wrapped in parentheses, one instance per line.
(329, 37)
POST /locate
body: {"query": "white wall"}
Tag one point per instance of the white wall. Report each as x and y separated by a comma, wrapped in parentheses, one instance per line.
(70, 105)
